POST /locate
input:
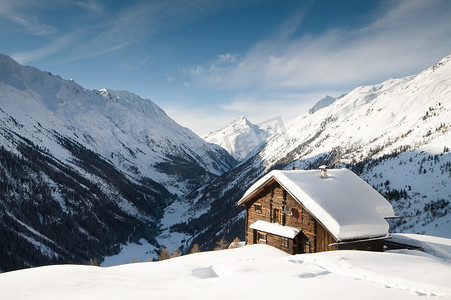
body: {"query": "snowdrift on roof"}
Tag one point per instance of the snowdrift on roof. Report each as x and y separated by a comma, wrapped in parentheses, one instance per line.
(345, 204)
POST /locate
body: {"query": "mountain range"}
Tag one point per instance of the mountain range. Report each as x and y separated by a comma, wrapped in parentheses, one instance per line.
(83, 172)
(395, 135)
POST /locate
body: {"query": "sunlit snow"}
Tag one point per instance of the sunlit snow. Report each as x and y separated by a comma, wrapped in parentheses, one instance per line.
(251, 272)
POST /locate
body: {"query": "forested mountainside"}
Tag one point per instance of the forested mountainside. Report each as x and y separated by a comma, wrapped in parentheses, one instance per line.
(59, 212)
(83, 171)
(395, 135)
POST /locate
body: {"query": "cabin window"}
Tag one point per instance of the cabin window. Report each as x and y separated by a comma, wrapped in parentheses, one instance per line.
(296, 215)
(261, 237)
(284, 242)
(258, 208)
(276, 215)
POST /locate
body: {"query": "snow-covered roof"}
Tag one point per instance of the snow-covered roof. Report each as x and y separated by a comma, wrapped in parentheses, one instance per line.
(343, 202)
(275, 228)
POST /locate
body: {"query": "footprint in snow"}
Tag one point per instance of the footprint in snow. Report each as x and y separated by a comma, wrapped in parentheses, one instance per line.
(313, 275)
(296, 261)
(204, 273)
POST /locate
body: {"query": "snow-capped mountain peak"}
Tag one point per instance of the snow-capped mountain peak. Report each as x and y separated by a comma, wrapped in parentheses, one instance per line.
(89, 169)
(241, 121)
(134, 133)
(325, 102)
(239, 137)
(395, 135)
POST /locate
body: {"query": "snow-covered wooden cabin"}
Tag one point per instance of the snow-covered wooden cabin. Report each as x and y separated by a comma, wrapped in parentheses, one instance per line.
(306, 211)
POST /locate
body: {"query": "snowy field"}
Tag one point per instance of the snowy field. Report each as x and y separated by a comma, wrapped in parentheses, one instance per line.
(251, 272)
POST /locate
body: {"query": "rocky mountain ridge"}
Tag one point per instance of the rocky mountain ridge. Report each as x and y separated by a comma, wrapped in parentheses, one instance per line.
(83, 171)
(239, 137)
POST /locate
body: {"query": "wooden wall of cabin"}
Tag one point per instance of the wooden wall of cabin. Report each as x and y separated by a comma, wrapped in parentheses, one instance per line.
(323, 239)
(291, 213)
(314, 236)
(257, 208)
(300, 218)
(374, 245)
(275, 241)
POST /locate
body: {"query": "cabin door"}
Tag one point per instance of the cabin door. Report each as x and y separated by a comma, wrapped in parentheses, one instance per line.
(302, 244)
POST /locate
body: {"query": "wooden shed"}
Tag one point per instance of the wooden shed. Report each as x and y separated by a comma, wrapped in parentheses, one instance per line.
(306, 211)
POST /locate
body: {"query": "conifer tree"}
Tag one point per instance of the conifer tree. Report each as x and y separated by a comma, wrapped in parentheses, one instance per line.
(222, 244)
(175, 253)
(95, 262)
(235, 243)
(164, 254)
(195, 248)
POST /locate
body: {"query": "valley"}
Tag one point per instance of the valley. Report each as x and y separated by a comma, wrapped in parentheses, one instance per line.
(86, 173)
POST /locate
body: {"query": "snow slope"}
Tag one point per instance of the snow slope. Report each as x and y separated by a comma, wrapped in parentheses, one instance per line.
(325, 102)
(85, 171)
(399, 133)
(398, 112)
(251, 272)
(395, 135)
(239, 137)
(133, 133)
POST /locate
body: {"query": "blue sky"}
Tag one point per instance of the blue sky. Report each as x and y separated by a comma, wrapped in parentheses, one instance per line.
(208, 62)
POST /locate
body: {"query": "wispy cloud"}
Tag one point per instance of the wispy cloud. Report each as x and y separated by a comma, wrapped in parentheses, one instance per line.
(257, 108)
(55, 46)
(134, 23)
(90, 6)
(18, 13)
(403, 40)
(266, 105)
(134, 64)
(286, 74)
(28, 13)
(144, 19)
(103, 50)
(221, 63)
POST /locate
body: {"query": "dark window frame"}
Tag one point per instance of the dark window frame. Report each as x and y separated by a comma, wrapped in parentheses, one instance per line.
(284, 242)
(258, 208)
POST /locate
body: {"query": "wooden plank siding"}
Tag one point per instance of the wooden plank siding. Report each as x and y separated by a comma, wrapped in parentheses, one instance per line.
(323, 239)
(275, 241)
(370, 245)
(275, 205)
(291, 213)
